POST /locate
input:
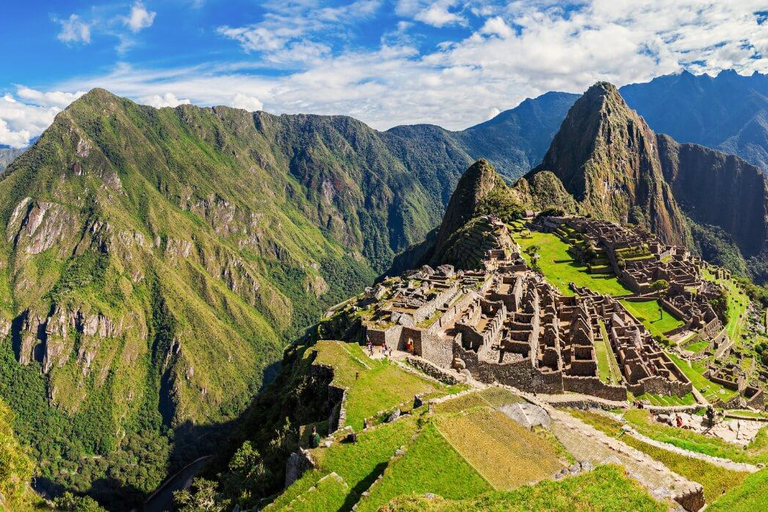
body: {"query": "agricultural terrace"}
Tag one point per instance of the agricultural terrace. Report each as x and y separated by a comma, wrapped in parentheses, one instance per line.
(373, 384)
(605, 489)
(738, 302)
(560, 269)
(607, 366)
(430, 464)
(695, 373)
(715, 480)
(754, 453)
(666, 401)
(653, 316)
(358, 465)
(488, 439)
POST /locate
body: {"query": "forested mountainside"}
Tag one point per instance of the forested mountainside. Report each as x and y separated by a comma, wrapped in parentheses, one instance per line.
(155, 262)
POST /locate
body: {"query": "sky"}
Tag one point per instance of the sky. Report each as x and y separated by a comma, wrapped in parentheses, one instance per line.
(454, 63)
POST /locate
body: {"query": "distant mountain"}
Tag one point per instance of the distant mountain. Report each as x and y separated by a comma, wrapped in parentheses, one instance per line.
(615, 167)
(727, 112)
(8, 155)
(515, 140)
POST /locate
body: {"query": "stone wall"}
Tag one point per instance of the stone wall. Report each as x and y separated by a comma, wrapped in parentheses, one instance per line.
(520, 374)
(428, 309)
(660, 386)
(391, 335)
(432, 370)
(594, 386)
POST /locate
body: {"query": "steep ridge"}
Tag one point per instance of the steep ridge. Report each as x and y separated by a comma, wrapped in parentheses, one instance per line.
(606, 157)
(473, 223)
(516, 140)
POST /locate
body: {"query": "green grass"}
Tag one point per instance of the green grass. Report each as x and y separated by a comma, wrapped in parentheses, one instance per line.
(695, 374)
(715, 480)
(738, 301)
(489, 440)
(431, 464)
(664, 400)
(648, 313)
(605, 489)
(498, 397)
(329, 493)
(374, 385)
(607, 367)
(358, 464)
(752, 495)
(755, 452)
(560, 269)
(697, 346)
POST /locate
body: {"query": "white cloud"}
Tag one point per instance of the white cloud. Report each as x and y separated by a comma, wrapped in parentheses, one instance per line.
(140, 18)
(299, 32)
(166, 100)
(56, 99)
(74, 30)
(438, 14)
(27, 114)
(514, 51)
(248, 103)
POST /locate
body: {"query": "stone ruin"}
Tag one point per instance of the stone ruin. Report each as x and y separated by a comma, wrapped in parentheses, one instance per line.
(506, 324)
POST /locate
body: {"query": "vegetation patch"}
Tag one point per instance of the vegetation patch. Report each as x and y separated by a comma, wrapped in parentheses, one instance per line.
(605, 489)
(430, 465)
(750, 496)
(373, 384)
(560, 269)
(715, 479)
(655, 318)
(695, 373)
(489, 440)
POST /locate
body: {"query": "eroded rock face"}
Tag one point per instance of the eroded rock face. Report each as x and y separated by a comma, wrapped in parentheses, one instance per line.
(38, 226)
(50, 338)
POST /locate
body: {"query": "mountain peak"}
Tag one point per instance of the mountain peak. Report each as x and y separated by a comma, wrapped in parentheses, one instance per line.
(606, 157)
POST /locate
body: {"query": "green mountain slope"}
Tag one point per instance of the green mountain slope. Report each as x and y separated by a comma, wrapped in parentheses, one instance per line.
(155, 262)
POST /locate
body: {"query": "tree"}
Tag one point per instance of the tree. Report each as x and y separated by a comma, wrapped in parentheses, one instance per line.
(72, 503)
(200, 497)
(659, 286)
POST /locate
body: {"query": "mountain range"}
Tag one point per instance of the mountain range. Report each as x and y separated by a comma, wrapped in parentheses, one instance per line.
(155, 262)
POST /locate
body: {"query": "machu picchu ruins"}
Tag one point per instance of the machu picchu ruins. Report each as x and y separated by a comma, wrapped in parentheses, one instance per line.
(503, 322)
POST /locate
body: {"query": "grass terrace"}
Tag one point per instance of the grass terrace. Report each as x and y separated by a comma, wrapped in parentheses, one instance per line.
(430, 464)
(664, 400)
(374, 384)
(695, 373)
(560, 269)
(697, 346)
(358, 464)
(756, 452)
(716, 480)
(738, 302)
(607, 366)
(653, 316)
(488, 440)
(752, 495)
(605, 489)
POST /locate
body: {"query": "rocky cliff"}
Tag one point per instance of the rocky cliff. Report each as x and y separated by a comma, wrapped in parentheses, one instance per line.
(607, 158)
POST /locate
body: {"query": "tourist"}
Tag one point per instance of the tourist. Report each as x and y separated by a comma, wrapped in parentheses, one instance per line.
(384, 349)
(314, 440)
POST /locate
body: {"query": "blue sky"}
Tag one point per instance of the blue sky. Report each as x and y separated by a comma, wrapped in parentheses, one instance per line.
(387, 62)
